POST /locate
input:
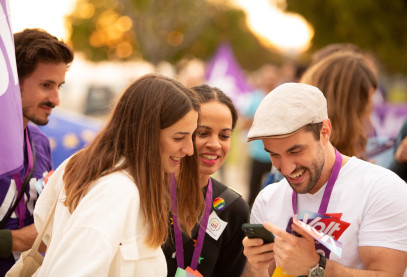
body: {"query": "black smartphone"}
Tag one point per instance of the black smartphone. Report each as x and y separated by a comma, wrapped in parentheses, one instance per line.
(258, 231)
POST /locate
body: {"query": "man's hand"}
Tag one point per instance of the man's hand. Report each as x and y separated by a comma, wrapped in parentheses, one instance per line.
(295, 255)
(401, 153)
(259, 255)
(23, 238)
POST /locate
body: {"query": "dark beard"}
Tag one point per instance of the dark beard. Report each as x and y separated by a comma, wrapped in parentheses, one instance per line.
(38, 121)
(315, 174)
(33, 118)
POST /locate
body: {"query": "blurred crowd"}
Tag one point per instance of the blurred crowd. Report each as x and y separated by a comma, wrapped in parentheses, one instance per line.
(93, 89)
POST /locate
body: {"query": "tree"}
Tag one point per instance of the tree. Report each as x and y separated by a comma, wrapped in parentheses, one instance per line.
(159, 30)
(376, 26)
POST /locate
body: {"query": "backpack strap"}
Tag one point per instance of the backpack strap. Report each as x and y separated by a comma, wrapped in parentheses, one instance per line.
(229, 196)
(20, 196)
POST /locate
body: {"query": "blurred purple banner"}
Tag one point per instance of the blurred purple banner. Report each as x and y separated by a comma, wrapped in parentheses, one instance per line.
(224, 72)
(11, 118)
(387, 118)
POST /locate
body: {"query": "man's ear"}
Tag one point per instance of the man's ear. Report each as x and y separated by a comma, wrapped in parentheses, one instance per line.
(326, 130)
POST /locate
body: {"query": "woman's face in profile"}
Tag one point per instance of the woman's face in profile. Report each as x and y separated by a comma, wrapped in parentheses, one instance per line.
(213, 136)
(176, 141)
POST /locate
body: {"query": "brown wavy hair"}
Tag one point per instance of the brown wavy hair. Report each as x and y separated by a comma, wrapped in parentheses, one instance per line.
(346, 81)
(33, 46)
(148, 105)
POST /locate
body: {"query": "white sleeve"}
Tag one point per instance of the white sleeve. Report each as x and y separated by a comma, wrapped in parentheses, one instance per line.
(384, 217)
(256, 215)
(87, 242)
(82, 252)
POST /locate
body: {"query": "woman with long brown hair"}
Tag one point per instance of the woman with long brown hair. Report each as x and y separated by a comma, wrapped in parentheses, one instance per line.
(348, 84)
(112, 216)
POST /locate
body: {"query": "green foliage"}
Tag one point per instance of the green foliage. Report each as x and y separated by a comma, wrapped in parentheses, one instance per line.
(373, 25)
(163, 30)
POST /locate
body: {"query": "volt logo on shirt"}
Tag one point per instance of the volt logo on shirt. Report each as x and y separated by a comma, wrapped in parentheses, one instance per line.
(216, 226)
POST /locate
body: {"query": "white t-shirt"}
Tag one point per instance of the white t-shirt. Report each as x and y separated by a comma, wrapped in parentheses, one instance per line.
(105, 234)
(371, 198)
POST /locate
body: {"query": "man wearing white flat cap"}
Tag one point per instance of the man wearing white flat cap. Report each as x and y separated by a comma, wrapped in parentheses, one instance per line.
(292, 121)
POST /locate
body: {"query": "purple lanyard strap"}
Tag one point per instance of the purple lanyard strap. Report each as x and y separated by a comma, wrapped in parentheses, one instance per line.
(179, 248)
(329, 187)
(21, 209)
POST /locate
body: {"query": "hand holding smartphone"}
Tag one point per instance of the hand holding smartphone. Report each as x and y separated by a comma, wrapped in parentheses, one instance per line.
(258, 231)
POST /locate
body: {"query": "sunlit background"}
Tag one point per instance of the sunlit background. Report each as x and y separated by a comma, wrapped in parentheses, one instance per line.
(289, 33)
(46, 14)
(114, 54)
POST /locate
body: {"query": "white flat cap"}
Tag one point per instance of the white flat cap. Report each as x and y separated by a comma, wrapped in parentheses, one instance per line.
(286, 109)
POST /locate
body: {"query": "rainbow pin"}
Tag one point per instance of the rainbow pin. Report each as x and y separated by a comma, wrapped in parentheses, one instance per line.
(219, 204)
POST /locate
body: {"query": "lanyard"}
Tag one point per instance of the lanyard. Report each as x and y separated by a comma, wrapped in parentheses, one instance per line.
(328, 190)
(179, 248)
(21, 209)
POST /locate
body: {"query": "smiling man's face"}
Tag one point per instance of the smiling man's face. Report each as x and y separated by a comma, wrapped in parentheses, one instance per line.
(40, 92)
(300, 158)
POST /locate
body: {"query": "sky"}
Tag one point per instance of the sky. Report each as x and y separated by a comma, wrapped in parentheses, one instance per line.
(288, 32)
(45, 14)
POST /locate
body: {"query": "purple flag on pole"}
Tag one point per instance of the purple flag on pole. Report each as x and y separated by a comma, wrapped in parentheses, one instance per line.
(224, 72)
(11, 118)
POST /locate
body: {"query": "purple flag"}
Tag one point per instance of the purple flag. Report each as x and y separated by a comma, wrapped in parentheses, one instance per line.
(11, 118)
(387, 118)
(224, 72)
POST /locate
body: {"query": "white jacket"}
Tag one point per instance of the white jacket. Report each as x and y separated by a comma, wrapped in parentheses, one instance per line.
(105, 234)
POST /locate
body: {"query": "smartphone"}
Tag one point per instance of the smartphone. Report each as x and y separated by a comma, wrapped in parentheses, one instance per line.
(258, 231)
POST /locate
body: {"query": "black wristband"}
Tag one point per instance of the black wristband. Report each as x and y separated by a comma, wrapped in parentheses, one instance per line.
(322, 261)
(6, 243)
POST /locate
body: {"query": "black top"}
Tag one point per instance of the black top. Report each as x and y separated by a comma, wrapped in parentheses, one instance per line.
(222, 257)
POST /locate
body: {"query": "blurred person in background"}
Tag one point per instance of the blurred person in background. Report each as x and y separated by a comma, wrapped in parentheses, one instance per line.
(348, 84)
(331, 49)
(266, 80)
(191, 72)
(369, 58)
(114, 198)
(42, 61)
(399, 162)
(222, 250)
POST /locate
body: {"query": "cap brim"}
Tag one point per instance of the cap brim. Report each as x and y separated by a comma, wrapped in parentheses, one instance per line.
(275, 136)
